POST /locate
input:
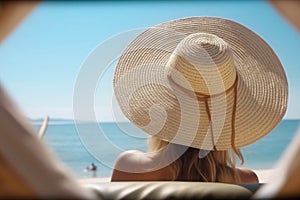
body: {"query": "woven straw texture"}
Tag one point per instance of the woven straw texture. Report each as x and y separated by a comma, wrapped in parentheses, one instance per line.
(209, 56)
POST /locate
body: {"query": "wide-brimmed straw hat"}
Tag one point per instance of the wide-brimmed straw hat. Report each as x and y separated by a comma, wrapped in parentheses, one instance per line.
(204, 82)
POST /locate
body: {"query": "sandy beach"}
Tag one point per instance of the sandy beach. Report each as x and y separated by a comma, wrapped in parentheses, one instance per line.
(264, 176)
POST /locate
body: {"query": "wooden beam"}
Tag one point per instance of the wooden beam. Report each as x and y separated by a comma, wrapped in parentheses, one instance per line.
(289, 9)
(12, 13)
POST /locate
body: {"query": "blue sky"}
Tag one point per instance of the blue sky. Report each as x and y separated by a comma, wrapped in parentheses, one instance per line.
(40, 60)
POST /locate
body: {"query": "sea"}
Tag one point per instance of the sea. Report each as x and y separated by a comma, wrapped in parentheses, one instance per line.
(77, 146)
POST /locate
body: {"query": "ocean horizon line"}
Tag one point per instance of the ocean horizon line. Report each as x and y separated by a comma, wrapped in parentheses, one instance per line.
(41, 119)
(70, 120)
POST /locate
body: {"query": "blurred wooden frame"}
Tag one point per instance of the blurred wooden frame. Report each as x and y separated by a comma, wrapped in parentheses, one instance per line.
(12, 13)
(289, 9)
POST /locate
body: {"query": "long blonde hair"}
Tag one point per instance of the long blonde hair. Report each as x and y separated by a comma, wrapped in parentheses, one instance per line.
(216, 166)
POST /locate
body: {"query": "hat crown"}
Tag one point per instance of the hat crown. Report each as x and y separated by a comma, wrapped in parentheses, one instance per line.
(203, 63)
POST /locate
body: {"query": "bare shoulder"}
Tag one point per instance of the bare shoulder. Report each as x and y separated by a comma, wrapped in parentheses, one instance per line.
(126, 166)
(136, 165)
(128, 160)
(248, 176)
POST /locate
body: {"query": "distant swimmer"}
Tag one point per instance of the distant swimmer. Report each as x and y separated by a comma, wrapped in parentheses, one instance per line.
(92, 167)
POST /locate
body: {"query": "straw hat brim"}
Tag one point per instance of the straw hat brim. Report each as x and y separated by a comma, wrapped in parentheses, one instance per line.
(145, 98)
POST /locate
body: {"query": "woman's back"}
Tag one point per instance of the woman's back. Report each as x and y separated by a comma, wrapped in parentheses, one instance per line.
(138, 166)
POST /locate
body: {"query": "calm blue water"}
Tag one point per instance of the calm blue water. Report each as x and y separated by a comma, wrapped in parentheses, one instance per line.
(66, 143)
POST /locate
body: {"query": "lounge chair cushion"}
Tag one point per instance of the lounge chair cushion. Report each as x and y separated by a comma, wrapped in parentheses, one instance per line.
(170, 190)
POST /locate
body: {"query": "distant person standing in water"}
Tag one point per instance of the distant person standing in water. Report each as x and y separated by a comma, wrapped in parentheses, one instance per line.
(201, 87)
(92, 168)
